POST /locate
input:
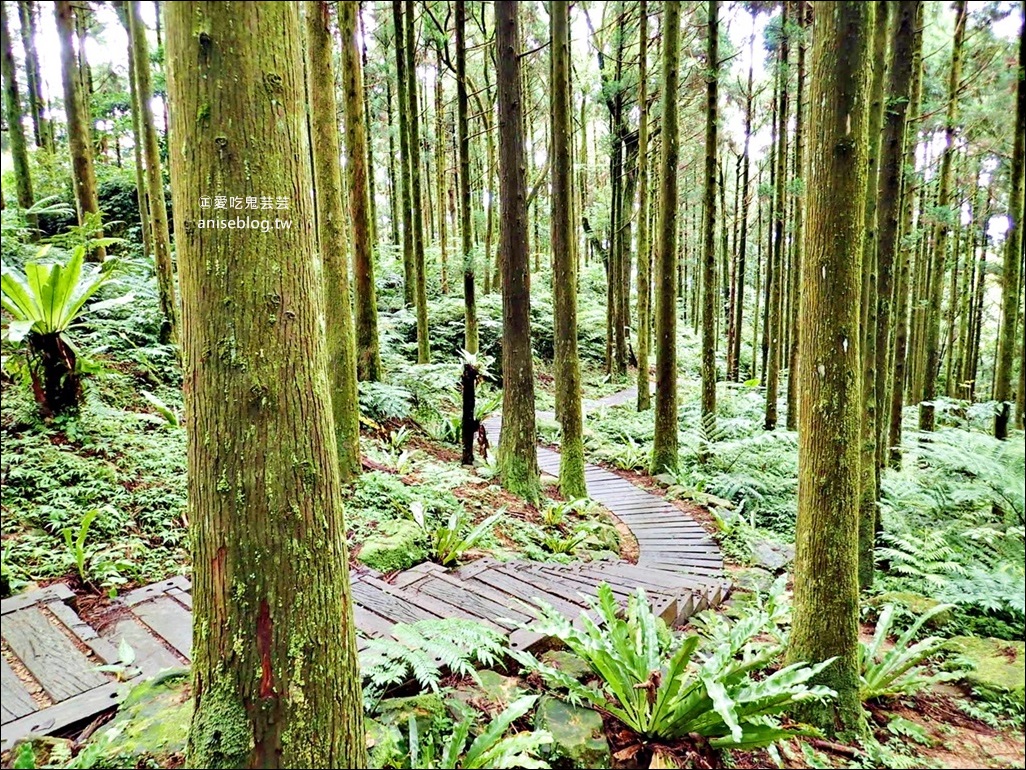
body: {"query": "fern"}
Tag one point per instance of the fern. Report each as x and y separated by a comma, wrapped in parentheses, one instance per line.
(424, 650)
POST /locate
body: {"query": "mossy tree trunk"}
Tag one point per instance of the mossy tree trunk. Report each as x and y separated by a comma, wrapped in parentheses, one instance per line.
(77, 114)
(365, 305)
(869, 294)
(709, 227)
(157, 208)
(15, 128)
(403, 108)
(1011, 277)
(518, 452)
(329, 195)
(942, 231)
(275, 676)
(644, 255)
(564, 272)
(665, 445)
(826, 561)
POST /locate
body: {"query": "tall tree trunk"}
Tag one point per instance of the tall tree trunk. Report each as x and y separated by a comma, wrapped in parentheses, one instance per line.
(665, 442)
(276, 681)
(393, 180)
(775, 277)
(329, 195)
(804, 11)
(644, 257)
(154, 178)
(518, 451)
(42, 128)
(742, 246)
(142, 197)
(868, 303)
(365, 301)
(935, 284)
(76, 110)
(405, 150)
(564, 274)
(709, 228)
(440, 169)
(826, 607)
(15, 127)
(896, 369)
(416, 191)
(771, 216)
(369, 141)
(1013, 254)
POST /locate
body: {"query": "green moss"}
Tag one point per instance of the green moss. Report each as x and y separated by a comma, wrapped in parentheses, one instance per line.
(997, 665)
(428, 709)
(518, 477)
(399, 546)
(221, 734)
(578, 738)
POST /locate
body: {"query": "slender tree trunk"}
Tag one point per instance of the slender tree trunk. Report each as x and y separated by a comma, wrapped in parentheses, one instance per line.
(564, 274)
(935, 285)
(154, 179)
(142, 196)
(756, 373)
(805, 23)
(41, 127)
(416, 191)
(276, 681)
(15, 127)
(826, 607)
(1013, 255)
(329, 195)
(769, 272)
(76, 110)
(518, 451)
(365, 304)
(440, 169)
(405, 150)
(709, 228)
(644, 289)
(665, 443)
(393, 180)
(371, 182)
(868, 304)
(742, 245)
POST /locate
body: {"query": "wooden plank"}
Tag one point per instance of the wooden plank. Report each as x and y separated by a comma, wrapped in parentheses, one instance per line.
(439, 606)
(75, 710)
(471, 604)
(49, 655)
(388, 606)
(170, 621)
(55, 592)
(526, 588)
(694, 569)
(510, 609)
(371, 623)
(151, 654)
(84, 632)
(16, 700)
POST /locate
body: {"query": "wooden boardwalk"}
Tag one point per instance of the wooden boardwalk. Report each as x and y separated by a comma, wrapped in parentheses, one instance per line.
(50, 655)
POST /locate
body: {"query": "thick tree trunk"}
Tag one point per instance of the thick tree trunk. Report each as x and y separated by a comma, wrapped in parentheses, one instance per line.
(77, 113)
(275, 676)
(665, 443)
(826, 608)
(15, 127)
(365, 301)
(157, 208)
(564, 274)
(935, 283)
(709, 228)
(518, 451)
(1013, 255)
(644, 257)
(329, 195)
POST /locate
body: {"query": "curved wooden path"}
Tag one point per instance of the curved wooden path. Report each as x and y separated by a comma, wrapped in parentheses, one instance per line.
(49, 677)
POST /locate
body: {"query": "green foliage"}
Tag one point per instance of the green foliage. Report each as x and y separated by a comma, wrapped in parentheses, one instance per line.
(76, 543)
(424, 649)
(448, 543)
(663, 687)
(492, 748)
(888, 672)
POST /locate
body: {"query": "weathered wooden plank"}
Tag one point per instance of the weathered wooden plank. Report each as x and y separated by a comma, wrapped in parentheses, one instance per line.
(49, 655)
(151, 654)
(84, 632)
(16, 700)
(502, 601)
(370, 623)
(388, 606)
(471, 603)
(55, 592)
(75, 710)
(170, 621)
(526, 588)
(425, 600)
